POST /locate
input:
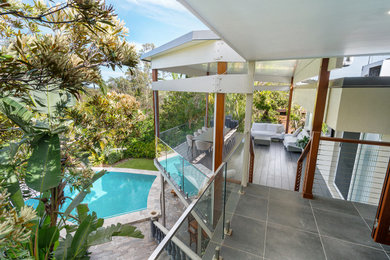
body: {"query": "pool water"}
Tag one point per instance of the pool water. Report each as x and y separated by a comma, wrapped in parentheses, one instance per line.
(114, 194)
(193, 178)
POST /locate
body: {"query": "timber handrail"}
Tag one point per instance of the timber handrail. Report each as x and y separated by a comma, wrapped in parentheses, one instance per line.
(342, 140)
(251, 161)
(299, 166)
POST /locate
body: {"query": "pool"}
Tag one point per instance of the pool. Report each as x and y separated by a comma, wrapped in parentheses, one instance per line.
(114, 194)
(194, 179)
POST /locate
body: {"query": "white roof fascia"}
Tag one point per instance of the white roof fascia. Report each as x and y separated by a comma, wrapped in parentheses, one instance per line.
(183, 41)
(208, 84)
(204, 52)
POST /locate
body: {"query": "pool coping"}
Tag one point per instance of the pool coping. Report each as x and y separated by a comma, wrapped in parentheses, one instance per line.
(153, 203)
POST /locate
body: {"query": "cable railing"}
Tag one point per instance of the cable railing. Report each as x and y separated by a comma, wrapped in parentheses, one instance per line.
(205, 218)
(352, 170)
(300, 161)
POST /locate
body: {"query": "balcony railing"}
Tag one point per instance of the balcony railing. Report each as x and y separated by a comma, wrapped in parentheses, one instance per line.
(205, 217)
(187, 178)
(348, 169)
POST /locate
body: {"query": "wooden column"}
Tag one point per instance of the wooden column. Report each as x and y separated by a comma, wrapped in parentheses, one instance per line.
(319, 109)
(290, 95)
(219, 122)
(380, 232)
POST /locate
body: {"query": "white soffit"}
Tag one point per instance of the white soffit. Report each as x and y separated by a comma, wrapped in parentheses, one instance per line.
(298, 29)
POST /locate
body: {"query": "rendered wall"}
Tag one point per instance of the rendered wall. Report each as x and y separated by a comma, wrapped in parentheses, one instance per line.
(364, 110)
(305, 97)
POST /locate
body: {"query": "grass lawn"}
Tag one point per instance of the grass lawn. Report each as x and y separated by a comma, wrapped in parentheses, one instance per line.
(140, 163)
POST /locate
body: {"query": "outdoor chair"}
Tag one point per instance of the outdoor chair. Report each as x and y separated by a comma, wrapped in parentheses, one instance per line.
(189, 143)
(202, 146)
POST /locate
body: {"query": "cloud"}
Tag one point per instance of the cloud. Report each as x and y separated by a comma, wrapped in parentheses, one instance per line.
(109, 73)
(168, 4)
(168, 12)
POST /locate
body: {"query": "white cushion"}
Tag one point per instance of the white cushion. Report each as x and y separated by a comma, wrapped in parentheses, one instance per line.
(280, 128)
(295, 134)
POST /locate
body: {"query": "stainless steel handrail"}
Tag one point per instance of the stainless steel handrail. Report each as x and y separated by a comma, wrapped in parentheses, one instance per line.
(183, 217)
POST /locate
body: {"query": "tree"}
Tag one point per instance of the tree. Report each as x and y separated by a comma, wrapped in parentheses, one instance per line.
(83, 35)
(182, 107)
(267, 103)
(50, 53)
(137, 81)
(104, 122)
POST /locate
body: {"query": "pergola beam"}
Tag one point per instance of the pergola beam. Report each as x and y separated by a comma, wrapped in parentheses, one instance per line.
(207, 84)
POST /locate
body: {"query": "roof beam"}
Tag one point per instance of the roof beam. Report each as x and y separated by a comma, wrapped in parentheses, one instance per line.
(208, 84)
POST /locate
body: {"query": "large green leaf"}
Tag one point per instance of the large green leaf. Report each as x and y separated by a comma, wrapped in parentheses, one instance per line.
(82, 211)
(12, 185)
(103, 235)
(47, 236)
(8, 152)
(50, 101)
(79, 242)
(44, 166)
(17, 113)
(64, 250)
(17, 199)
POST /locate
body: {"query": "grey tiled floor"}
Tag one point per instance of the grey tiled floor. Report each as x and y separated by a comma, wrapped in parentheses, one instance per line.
(275, 224)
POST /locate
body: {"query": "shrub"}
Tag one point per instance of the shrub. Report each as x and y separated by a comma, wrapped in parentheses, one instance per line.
(140, 149)
(113, 157)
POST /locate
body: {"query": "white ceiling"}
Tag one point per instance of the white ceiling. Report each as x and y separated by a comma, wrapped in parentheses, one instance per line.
(296, 29)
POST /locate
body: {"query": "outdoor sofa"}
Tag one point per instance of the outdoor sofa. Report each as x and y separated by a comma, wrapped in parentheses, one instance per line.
(290, 140)
(274, 131)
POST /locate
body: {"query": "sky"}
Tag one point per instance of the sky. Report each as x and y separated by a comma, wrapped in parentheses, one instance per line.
(153, 21)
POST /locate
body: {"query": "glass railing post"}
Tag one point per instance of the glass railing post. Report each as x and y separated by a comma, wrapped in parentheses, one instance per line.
(224, 200)
(183, 175)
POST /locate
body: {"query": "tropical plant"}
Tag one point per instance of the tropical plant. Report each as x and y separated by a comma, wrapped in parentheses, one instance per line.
(49, 54)
(267, 103)
(178, 108)
(47, 169)
(303, 142)
(60, 46)
(137, 82)
(102, 123)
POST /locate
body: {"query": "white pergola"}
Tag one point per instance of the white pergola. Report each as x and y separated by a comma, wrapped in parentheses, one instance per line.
(278, 42)
(197, 55)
